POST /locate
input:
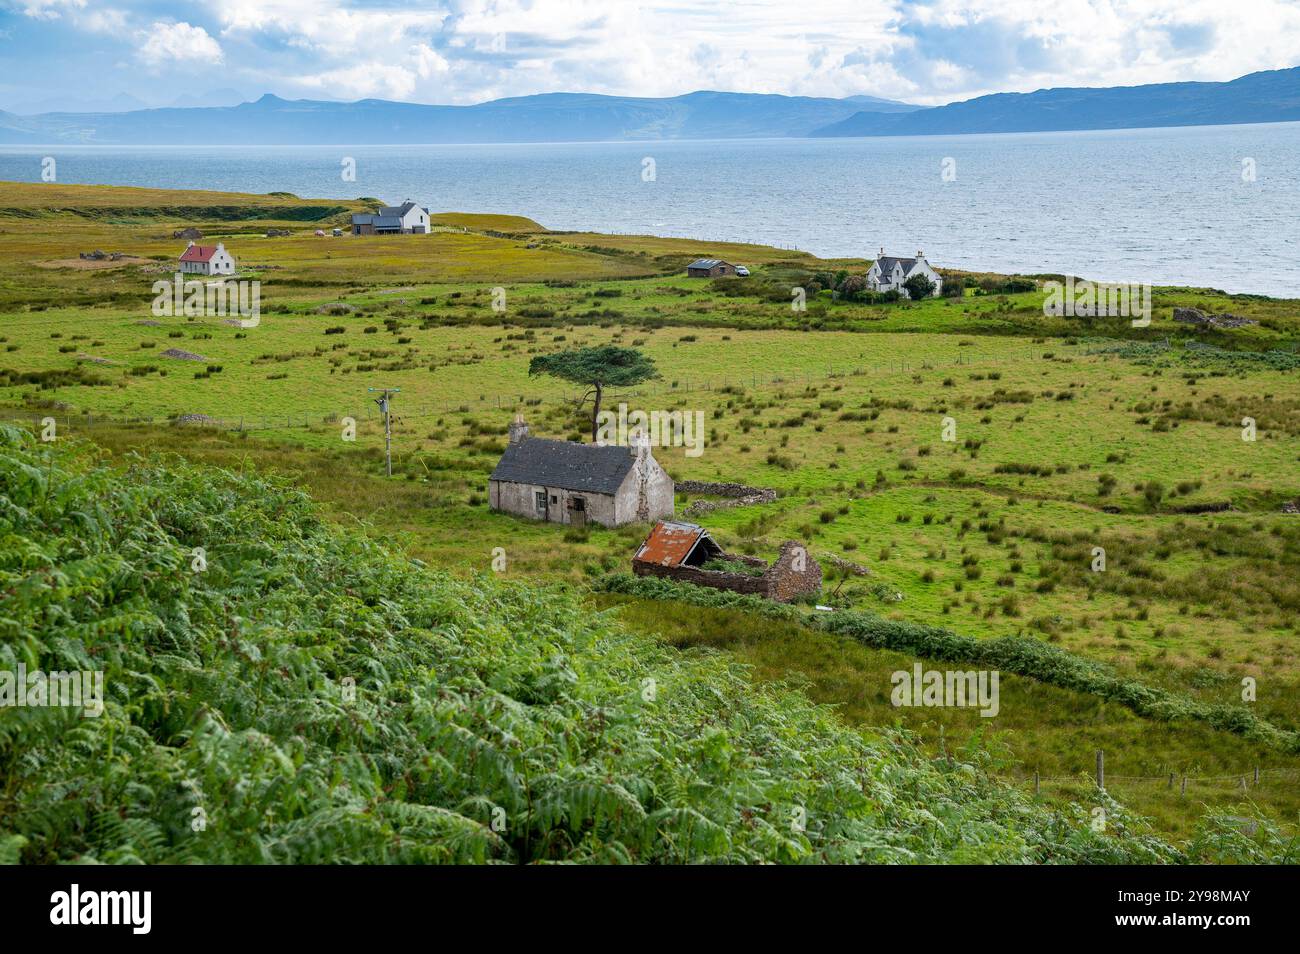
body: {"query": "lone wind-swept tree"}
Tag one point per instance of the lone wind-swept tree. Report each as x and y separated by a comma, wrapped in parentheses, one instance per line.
(597, 369)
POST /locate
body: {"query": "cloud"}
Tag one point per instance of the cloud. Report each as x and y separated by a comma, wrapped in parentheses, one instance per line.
(460, 51)
(166, 43)
(48, 9)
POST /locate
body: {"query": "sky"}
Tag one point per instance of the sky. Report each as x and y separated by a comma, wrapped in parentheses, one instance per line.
(59, 53)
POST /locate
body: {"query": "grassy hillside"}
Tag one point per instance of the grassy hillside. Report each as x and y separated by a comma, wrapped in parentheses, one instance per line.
(1071, 434)
(309, 696)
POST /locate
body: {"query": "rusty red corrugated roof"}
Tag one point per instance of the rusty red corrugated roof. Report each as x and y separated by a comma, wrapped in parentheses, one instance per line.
(670, 543)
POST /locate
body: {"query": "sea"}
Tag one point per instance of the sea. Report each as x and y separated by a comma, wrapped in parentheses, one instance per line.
(1209, 206)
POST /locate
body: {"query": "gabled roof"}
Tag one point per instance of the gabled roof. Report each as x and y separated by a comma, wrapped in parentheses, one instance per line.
(887, 263)
(199, 253)
(583, 467)
(707, 263)
(671, 542)
(398, 210)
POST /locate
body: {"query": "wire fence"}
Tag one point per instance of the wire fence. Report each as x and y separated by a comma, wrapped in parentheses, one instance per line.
(1252, 777)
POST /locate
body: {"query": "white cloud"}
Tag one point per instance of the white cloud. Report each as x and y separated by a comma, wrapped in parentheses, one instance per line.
(165, 43)
(926, 51)
(48, 9)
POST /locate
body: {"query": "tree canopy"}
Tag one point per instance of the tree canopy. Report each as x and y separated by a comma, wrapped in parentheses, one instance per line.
(607, 366)
(919, 286)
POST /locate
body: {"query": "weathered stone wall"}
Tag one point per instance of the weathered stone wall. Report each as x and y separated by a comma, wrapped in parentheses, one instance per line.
(736, 495)
(647, 493)
(520, 499)
(735, 582)
(786, 581)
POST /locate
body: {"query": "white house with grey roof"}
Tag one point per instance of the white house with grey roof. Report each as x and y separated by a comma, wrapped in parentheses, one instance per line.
(567, 482)
(405, 219)
(889, 273)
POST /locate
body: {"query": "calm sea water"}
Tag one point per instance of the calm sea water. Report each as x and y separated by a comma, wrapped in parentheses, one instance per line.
(1169, 206)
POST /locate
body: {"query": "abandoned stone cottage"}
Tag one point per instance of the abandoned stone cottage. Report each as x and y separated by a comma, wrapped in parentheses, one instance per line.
(566, 482)
(681, 551)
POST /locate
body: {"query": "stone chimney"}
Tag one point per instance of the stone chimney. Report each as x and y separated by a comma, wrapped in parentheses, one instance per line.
(189, 244)
(639, 443)
(518, 429)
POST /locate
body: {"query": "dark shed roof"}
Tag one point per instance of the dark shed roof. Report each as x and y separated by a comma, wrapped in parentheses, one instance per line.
(707, 263)
(585, 467)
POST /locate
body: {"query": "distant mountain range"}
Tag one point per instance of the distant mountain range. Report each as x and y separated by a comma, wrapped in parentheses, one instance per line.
(1272, 96)
(551, 117)
(1268, 97)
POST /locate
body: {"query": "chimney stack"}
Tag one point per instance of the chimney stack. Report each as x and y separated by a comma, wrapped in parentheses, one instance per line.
(639, 442)
(518, 429)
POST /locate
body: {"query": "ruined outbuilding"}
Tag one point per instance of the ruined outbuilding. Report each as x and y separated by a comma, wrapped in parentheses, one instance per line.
(682, 551)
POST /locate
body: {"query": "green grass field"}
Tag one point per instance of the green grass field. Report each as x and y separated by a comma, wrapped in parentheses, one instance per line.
(1070, 434)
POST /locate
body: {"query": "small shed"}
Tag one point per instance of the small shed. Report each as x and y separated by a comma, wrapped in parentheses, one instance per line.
(709, 268)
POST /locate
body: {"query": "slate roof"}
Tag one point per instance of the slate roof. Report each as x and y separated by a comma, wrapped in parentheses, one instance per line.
(582, 467)
(378, 221)
(397, 210)
(706, 263)
(887, 262)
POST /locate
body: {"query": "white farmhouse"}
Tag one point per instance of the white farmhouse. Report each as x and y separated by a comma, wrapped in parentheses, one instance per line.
(207, 260)
(888, 273)
(405, 219)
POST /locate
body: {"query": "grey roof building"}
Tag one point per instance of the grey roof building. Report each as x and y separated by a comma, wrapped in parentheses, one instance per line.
(709, 268)
(567, 482)
(405, 219)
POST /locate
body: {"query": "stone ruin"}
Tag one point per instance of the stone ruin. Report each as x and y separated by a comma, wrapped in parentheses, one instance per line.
(678, 551)
(1194, 316)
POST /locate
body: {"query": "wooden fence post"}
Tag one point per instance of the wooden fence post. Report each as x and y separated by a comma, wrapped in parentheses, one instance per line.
(1037, 782)
(1101, 769)
(1184, 789)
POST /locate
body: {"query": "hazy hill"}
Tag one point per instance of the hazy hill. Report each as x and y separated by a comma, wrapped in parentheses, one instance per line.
(550, 117)
(1267, 97)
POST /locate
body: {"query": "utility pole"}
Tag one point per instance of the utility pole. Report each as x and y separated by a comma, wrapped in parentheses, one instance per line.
(382, 401)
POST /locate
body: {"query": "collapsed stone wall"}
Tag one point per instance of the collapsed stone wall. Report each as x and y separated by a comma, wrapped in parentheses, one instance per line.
(735, 495)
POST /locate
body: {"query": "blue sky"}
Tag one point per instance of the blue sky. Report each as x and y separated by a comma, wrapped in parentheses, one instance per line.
(59, 52)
